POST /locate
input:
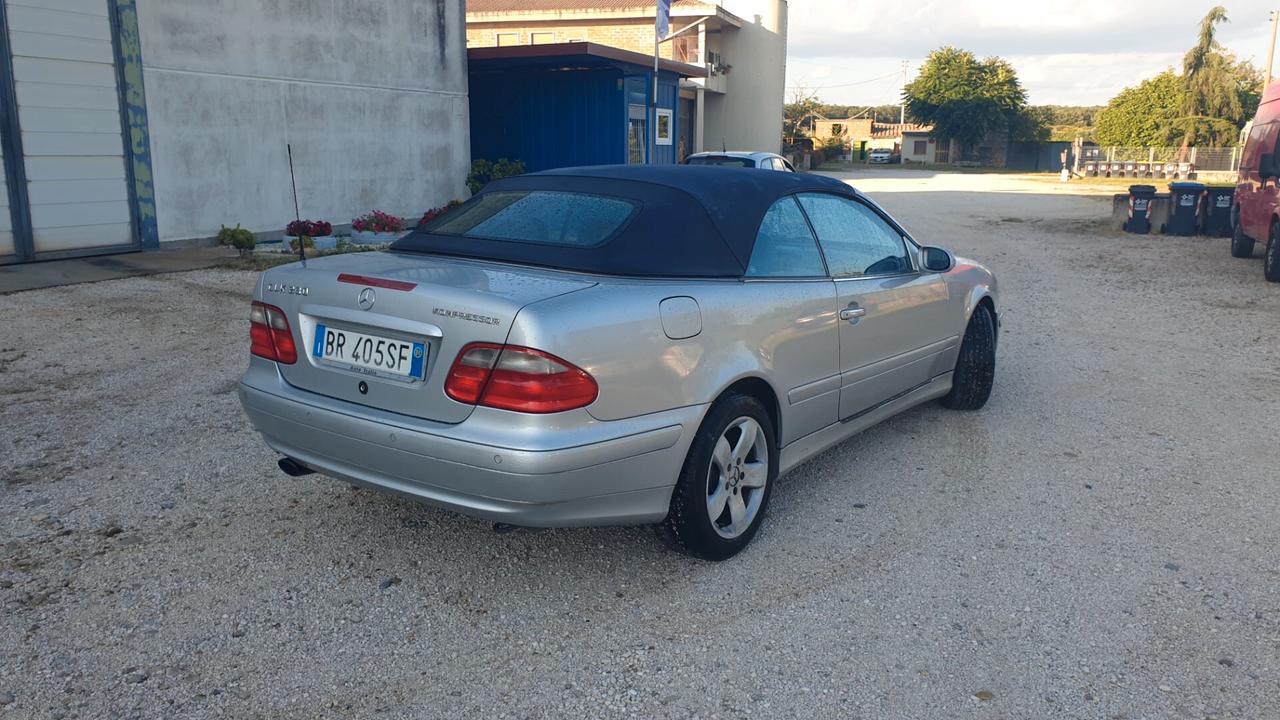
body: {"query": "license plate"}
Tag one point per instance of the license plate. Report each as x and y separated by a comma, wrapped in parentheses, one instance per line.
(369, 354)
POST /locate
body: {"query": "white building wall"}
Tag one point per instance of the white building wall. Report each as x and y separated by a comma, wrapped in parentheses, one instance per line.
(909, 153)
(755, 87)
(372, 96)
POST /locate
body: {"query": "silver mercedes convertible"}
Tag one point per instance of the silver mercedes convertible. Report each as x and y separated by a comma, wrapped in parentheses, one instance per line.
(616, 345)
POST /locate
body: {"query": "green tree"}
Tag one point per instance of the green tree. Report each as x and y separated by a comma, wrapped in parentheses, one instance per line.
(1206, 105)
(1033, 124)
(1067, 122)
(1070, 115)
(1210, 92)
(965, 98)
(1147, 115)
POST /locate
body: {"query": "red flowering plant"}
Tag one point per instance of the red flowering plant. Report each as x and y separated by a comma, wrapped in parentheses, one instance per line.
(377, 222)
(434, 213)
(309, 228)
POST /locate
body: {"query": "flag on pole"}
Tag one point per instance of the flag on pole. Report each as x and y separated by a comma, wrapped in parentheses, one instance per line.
(663, 25)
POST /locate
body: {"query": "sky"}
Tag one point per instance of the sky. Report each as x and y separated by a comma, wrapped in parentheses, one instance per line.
(1080, 52)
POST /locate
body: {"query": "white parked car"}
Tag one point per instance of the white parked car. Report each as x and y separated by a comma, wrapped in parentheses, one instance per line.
(883, 156)
(739, 158)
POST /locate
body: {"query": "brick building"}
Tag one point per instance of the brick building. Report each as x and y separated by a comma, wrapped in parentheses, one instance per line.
(738, 105)
(861, 135)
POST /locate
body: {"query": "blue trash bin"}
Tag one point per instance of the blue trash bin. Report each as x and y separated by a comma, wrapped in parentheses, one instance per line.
(1218, 203)
(1185, 199)
(1140, 199)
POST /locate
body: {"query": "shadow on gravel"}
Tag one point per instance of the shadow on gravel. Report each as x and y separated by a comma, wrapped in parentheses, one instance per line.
(401, 532)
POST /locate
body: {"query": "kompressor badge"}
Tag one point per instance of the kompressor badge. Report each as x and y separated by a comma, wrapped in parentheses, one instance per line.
(460, 315)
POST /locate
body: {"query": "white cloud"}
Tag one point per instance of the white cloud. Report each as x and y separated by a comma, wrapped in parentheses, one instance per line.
(1078, 52)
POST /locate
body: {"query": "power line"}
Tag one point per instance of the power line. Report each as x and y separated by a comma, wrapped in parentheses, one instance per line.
(849, 84)
(902, 112)
(825, 65)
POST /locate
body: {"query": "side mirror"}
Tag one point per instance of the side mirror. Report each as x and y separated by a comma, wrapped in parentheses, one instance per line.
(935, 259)
(1267, 166)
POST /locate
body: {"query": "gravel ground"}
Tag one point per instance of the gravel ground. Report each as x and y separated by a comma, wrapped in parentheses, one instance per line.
(1099, 542)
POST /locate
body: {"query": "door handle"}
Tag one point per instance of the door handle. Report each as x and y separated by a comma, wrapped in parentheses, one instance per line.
(852, 313)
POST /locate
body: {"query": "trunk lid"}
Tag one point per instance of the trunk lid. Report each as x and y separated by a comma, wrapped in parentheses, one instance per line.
(452, 302)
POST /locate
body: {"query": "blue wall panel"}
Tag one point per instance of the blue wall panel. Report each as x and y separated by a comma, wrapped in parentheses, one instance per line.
(551, 118)
(668, 99)
(548, 118)
(638, 89)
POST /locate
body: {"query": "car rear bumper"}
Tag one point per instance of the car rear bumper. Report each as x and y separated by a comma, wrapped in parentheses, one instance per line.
(506, 467)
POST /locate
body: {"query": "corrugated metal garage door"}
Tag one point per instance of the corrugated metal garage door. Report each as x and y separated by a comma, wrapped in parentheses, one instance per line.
(6, 219)
(66, 86)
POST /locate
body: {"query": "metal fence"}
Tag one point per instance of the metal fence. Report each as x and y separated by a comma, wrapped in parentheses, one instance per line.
(1156, 162)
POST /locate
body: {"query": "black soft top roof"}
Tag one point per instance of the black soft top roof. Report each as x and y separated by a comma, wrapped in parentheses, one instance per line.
(693, 221)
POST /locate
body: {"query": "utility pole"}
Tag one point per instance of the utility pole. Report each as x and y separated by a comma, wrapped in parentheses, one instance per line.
(902, 110)
(661, 28)
(1271, 49)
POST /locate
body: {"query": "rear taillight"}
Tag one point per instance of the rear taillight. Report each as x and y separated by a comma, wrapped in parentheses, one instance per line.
(510, 377)
(269, 334)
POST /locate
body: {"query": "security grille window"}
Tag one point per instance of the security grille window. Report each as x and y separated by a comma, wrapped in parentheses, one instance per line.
(637, 135)
(855, 240)
(685, 49)
(921, 147)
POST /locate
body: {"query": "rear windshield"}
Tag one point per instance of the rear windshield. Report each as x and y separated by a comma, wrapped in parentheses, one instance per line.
(600, 224)
(544, 217)
(722, 160)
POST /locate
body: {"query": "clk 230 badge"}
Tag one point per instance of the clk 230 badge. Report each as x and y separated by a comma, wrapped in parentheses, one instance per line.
(288, 289)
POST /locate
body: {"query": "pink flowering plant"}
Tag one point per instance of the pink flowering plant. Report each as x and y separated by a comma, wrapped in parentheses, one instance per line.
(377, 222)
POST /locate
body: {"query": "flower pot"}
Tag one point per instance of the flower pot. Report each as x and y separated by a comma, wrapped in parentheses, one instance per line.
(324, 242)
(364, 237)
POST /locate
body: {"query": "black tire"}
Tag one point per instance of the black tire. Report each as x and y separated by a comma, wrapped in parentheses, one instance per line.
(688, 525)
(1271, 259)
(1241, 244)
(976, 367)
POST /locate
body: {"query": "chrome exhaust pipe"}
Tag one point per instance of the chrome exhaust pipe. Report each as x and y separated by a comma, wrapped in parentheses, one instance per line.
(293, 468)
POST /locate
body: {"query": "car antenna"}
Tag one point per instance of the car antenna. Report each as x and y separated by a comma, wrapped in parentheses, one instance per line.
(297, 215)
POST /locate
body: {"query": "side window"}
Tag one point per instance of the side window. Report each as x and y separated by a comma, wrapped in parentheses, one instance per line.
(765, 164)
(854, 239)
(1262, 139)
(784, 246)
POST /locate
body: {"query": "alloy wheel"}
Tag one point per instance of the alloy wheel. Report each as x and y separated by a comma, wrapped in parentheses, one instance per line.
(736, 477)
